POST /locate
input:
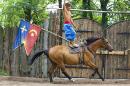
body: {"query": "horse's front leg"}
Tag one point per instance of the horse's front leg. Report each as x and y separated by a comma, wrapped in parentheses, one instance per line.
(99, 74)
(96, 71)
(93, 74)
(88, 61)
(93, 67)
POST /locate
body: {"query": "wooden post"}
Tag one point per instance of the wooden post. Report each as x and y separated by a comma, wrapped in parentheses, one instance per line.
(128, 63)
(45, 26)
(61, 22)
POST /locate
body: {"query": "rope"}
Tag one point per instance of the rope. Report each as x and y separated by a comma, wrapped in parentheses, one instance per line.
(55, 34)
(123, 12)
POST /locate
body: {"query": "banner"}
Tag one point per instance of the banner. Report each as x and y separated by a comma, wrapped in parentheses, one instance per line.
(31, 38)
(23, 28)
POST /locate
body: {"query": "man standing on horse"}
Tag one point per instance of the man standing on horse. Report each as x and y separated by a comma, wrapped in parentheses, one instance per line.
(70, 33)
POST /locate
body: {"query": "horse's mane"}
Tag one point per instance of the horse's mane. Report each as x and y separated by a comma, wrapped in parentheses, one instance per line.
(91, 40)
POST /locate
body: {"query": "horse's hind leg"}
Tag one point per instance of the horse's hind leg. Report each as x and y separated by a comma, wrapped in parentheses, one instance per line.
(51, 70)
(65, 72)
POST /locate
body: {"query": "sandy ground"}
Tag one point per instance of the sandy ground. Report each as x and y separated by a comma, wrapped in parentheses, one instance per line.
(29, 81)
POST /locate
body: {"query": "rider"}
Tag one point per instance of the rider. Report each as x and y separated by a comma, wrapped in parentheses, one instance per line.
(70, 33)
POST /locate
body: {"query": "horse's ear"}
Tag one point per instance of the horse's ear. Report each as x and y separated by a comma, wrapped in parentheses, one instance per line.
(83, 41)
(102, 36)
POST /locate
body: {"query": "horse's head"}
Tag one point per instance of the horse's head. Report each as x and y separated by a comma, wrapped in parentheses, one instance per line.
(105, 44)
(101, 42)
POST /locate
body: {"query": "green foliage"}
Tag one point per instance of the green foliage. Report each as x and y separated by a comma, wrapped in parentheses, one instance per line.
(113, 5)
(3, 73)
(76, 4)
(119, 5)
(11, 11)
(14, 10)
(98, 19)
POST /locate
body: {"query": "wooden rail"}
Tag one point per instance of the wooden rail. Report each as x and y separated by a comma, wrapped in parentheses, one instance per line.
(101, 52)
(98, 11)
(113, 52)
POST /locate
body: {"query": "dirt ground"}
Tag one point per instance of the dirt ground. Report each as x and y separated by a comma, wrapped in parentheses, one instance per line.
(29, 81)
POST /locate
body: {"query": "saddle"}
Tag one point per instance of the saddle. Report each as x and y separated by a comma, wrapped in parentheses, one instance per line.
(77, 50)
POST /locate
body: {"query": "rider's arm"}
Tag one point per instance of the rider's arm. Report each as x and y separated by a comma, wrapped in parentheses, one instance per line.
(74, 24)
(64, 9)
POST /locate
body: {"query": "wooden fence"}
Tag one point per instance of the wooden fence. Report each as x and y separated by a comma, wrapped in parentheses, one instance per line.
(118, 63)
(115, 64)
(112, 65)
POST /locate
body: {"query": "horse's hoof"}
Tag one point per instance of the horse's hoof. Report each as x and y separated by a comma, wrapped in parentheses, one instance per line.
(91, 77)
(72, 80)
(51, 81)
(103, 79)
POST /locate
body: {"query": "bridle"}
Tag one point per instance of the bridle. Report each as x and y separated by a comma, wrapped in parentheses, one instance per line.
(91, 51)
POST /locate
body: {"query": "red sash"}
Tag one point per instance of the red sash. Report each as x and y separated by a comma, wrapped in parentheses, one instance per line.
(67, 22)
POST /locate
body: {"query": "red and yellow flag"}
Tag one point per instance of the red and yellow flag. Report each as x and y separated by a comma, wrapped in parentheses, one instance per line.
(31, 38)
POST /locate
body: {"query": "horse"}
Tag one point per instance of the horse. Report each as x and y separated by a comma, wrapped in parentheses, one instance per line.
(60, 55)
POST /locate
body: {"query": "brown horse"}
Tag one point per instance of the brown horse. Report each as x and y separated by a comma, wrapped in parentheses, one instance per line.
(60, 55)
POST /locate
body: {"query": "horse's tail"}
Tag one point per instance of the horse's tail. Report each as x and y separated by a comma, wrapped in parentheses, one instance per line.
(37, 54)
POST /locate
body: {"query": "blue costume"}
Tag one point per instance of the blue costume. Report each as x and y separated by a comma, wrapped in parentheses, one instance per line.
(70, 33)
